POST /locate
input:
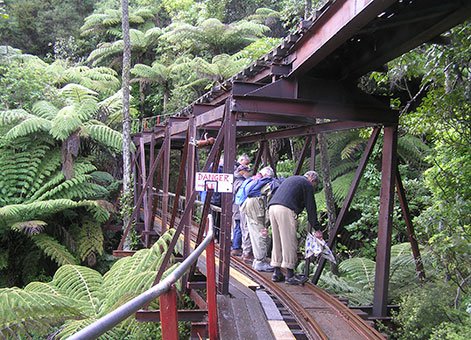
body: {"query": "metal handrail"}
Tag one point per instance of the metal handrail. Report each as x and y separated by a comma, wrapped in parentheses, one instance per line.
(107, 322)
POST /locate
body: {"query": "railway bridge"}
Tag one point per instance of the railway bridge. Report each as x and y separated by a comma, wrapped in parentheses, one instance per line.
(305, 86)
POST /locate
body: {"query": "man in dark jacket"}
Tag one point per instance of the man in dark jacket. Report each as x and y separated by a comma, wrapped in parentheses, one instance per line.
(293, 195)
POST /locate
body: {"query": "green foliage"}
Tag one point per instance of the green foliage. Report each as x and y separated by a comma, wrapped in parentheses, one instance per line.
(428, 313)
(54, 249)
(78, 296)
(212, 36)
(357, 276)
(34, 26)
(23, 81)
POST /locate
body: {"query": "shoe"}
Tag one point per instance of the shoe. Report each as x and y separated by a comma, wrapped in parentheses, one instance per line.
(278, 277)
(236, 252)
(262, 266)
(247, 258)
(296, 280)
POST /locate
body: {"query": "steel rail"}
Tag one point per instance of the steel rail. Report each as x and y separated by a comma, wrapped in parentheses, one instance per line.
(312, 329)
(306, 320)
(354, 320)
(110, 320)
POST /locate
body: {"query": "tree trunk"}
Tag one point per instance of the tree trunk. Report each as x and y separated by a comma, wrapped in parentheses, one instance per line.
(329, 195)
(127, 194)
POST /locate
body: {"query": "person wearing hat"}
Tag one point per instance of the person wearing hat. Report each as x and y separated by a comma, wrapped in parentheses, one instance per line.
(240, 240)
(254, 208)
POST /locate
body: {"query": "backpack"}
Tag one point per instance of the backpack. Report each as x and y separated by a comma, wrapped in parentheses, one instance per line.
(269, 190)
(255, 189)
(241, 194)
(275, 184)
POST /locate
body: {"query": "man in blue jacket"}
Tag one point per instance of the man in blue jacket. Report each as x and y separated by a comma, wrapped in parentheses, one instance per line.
(293, 195)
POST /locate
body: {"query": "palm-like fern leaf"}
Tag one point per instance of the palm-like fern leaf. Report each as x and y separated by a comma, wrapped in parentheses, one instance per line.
(44, 110)
(24, 311)
(89, 239)
(29, 126)
(78, 295)
(78, 93)
(52, 248)
(82, 284)
(105, 135)
(9, 117)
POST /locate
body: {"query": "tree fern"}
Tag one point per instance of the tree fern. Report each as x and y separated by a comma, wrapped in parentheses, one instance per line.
(25, 313)
(52, 248)
(357, 275)
(89, 239)
(8, 117)
(77, 296)
(44, 110)
(82, 284)
(104, 135)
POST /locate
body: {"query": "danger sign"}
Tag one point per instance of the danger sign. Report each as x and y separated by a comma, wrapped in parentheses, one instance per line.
(206, 181)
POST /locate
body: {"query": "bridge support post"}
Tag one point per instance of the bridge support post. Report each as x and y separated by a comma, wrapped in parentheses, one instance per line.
(401, 194)
(383, 250)
(169, 315)
(211, 289)
(226, 204)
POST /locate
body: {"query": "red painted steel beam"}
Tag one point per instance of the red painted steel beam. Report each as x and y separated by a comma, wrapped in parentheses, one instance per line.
(303, 131)
(226, 201)
(182, 315)
(211, 289)
(401, 194)
(425, 26)
(169, 315)
(331, 110)
(334, 27)
(383, 248)
(210, 116)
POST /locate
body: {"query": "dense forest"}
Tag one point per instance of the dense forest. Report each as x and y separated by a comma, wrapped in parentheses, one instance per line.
(61, 104)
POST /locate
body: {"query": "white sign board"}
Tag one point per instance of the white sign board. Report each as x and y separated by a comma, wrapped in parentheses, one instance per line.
(206, 181)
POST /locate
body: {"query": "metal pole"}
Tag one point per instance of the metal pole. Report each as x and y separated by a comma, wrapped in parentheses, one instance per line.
(110, 320)
(383, 249)
(211, 297)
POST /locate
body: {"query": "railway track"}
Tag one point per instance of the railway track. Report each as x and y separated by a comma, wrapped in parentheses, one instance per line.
(320, 315)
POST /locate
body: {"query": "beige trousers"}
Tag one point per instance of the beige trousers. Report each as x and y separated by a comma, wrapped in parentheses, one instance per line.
(285, 243)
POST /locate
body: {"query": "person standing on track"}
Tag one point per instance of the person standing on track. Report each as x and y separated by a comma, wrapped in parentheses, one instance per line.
(254, 208)
(293, 195)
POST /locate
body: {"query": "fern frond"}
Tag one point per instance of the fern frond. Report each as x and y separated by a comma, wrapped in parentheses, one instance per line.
(100, 209)
(44, 110)
(29, 227)
(360, 270)
(104, 51)
(105, 135)
(29, 126)
(73, 326)
(41, 287)
(89, 239)
(410, 148)
(21, 212)
(24, 310)
(65, 123)
(9, 117)
(78, 93)
(52, 248)
(82, 284)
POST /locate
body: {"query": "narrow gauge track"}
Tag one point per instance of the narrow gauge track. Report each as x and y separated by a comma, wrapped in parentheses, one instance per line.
(320, 315)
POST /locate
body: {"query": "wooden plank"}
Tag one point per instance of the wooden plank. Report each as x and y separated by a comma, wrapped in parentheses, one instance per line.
(227, 329)
(259, 322)
(281, 330)
(245, 326)
(269, 307)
